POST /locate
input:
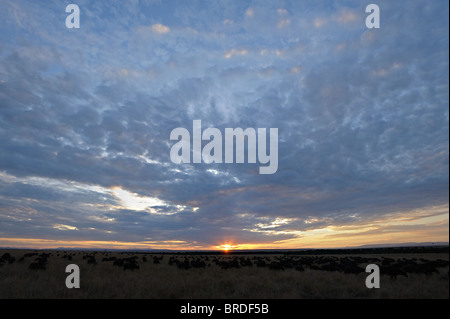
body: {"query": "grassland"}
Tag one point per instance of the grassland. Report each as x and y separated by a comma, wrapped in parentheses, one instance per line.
(164, 280)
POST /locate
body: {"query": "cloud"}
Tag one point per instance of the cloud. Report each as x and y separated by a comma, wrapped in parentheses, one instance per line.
(64, 227)
(85, 120)
(234, 52)
(249, 12)
(346, 16)
(159, 28)
(318, 22)
(284, 23)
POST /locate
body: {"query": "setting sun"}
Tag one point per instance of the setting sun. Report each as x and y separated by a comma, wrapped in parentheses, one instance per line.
(226, 247)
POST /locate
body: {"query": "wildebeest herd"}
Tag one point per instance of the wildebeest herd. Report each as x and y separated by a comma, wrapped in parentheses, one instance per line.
(347, 264)
(391, 267)
(253, 274)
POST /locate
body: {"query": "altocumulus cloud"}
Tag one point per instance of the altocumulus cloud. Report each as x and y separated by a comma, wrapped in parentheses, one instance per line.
(86, 115)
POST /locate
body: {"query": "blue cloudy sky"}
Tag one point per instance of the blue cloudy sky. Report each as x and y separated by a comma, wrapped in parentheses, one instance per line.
(86, 116)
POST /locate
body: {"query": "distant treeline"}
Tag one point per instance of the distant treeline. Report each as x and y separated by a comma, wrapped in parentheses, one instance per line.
(380, 250)
(337, 251)
(325, 251)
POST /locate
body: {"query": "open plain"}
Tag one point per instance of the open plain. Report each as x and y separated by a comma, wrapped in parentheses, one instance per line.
(41, 274)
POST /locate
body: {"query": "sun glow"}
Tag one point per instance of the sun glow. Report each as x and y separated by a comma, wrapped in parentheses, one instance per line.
(226, 247)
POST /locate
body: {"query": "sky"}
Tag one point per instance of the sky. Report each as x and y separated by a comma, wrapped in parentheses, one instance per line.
(86, 116)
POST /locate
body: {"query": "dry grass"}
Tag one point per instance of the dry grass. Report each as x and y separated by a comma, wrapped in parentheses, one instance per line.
(163, 281)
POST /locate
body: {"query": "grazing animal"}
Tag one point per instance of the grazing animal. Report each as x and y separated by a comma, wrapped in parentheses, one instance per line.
(352, 269)
(92, 261)
(198, 263)
(6, 257)
(118, 262)
(130, 266)
(229, 264)
(183, 265)
(37, 266)
(393, 271)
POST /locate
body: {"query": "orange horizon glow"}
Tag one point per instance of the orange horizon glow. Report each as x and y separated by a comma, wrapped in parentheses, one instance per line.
(38, 243)
(226, 247)
(421, 225)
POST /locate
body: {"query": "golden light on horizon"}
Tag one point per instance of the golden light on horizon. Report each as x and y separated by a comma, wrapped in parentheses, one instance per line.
(226, 247)
(428, 224)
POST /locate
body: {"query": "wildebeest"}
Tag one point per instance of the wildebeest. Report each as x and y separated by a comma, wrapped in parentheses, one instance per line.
(129, 263)
(6, 257)
(229, 264)
(36, 266)
(183, 265)
(68, 257)
(352, 269)
(197, 263)
(130, 266)
(40, 262)
(393, 271)
(118, 262)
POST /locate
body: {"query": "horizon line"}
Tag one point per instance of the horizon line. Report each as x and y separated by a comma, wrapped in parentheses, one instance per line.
(368, 246)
